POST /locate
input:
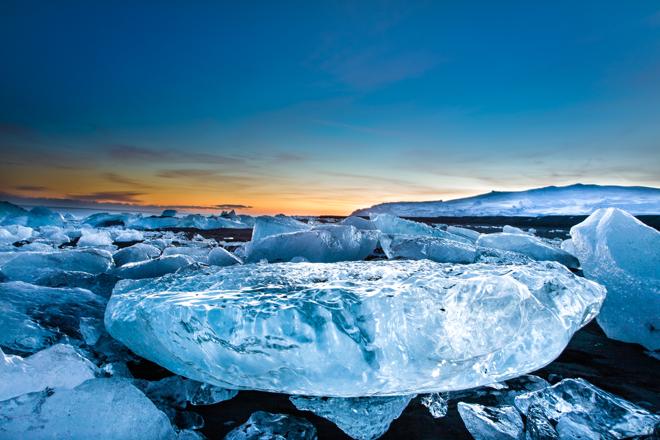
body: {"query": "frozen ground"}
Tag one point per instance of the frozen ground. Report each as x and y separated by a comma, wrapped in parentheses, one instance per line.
(477, 309)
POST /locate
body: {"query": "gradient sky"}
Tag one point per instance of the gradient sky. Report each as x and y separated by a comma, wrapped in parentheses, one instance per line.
(324, 107)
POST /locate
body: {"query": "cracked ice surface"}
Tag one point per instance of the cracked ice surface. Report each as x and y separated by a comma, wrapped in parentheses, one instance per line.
(581, 410)
(362, 418)
(354, 328)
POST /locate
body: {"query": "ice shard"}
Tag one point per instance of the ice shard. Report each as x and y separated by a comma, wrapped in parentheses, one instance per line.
(35, 317)
(492, 423)
(222, 257)
(59, 366)
(262, 425)
(107, 408)
(322, 244)
(153, 268)
(437, 249)
(528, 245)
(355, 328)
(362, 418)
(392, 225)
(623, 254)
(582, 410)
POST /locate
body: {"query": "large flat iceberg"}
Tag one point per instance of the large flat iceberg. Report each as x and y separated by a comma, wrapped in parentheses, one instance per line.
(355, 328)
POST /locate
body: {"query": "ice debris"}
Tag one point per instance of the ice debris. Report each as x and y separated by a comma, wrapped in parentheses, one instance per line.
(582, 410)
(437, 249)
(321, 244)
(362, 418)
(262, 425)
(112, 407)
(59, 366)
(136, 253)
(436, 404)
(222, 257)
(355, 328)
(620, 252)
(33, 266)
(35, 317)
(528, 245)
(491, 423)
(153, 268)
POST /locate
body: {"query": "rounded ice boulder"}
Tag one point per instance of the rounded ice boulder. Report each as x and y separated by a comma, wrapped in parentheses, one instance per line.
(354, 328)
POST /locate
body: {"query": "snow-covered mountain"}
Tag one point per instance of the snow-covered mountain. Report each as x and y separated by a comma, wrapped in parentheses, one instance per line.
(576, 199)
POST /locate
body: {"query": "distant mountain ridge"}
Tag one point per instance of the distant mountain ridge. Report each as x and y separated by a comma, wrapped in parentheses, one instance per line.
(577, 199)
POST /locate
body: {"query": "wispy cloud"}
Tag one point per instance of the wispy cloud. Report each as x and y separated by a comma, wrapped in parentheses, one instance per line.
(109, 196)
(33, 188)
(132, 153)
(232, 206)
(186, 173)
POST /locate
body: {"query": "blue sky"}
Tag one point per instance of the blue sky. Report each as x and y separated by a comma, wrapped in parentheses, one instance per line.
(323, 107)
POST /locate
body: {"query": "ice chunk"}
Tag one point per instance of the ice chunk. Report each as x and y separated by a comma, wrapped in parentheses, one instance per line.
(491, 423)
(128, 236)
(94, 238)
(31, 266)
(34, 317)
(354, 329)
(464, 232)
(527, 245)
(262, 425)
(513, 230)
(222, 257)
(154, 222)
(265, 226)
(13, 233)
(53, 235)
(59, 366)
(179, 391)
(537, 426)
(579, 407)
(10, 213)
(153, 268)
(623, 254)
(436, 404)
(437, 249)
(41, 216)
(136, 253)
(392, 225)
(325, 243)
(168, 213)
(98, 408)
(567, 246)
(362, 418)
(359, 222)
(199, 254)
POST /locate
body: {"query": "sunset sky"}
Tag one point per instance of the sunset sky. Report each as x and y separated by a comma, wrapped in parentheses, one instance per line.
(324, 107)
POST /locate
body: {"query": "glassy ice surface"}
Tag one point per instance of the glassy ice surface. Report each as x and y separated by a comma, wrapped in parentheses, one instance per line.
(179, 391)
(436, 403)
(623, 254)
(358, 222)
(492, 423)
(153, 268)
(527, 245)
(262, 425)
(59, 366)
(580, 408)
(392, 225)
(355, 328)
(136, 253)
(94, 238)
(97, 408)
(322, 244)
(362, 418)
(35, 317)
(537, 425)
(222, 257)
(437, 249)
(464, 232)
(32, 266)
(128, 236)
(265, 226)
